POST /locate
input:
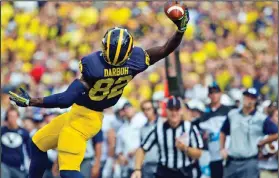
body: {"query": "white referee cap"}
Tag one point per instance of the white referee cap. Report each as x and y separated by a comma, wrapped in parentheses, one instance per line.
(196, 104)
(226, 100)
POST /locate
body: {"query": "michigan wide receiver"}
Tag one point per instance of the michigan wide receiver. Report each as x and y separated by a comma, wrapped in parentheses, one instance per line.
(104, 75)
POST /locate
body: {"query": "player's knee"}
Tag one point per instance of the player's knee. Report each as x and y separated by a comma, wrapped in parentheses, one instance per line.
(70, 174)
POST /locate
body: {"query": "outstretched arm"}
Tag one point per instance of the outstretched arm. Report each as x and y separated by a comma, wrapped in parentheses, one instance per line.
(160, 52)
(61, 100)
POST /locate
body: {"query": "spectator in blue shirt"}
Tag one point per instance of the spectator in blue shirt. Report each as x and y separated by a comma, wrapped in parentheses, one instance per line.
(14, 140)
(269, 154)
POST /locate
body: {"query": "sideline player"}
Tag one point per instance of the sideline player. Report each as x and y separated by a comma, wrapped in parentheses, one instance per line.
(104, 75)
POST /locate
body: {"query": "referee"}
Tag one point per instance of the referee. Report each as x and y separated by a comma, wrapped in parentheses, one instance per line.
(178, 143)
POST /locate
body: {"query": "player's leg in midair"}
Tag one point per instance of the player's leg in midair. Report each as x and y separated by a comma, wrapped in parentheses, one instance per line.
(81, 126)
(46, 138)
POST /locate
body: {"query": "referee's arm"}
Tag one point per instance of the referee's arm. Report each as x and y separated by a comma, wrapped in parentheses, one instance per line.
(146, 145)
(194, 149)
(196, 143)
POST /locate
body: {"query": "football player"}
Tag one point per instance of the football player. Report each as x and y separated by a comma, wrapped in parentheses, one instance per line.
(104, 75)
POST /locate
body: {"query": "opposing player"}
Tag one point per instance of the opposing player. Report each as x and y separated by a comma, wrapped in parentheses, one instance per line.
(104, 75)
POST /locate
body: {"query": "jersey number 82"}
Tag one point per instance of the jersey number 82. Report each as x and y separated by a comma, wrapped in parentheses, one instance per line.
(108, 88)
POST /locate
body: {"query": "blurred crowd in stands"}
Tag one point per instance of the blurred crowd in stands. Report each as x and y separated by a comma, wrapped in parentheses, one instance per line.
(234, 44)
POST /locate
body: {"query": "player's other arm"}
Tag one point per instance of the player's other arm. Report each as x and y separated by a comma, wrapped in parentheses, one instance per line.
(64, 99)
(160, 52)
(61, 100)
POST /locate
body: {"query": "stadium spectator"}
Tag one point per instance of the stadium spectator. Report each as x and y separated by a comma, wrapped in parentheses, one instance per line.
(211, 123)
(119, 114)
(114, 121)
(38, 121)
(108, 146)
(196, 108)
(236, 96)
(14, 140)
(150, 163)
(29, 125)
(246, 126)
(268, 157)
(128, 139)
(178, 142)
(91, 164)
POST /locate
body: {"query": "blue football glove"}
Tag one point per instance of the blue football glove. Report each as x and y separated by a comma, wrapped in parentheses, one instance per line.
(183, 21)
(21, 100)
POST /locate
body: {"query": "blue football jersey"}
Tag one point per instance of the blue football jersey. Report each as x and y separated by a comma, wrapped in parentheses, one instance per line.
(106, 81)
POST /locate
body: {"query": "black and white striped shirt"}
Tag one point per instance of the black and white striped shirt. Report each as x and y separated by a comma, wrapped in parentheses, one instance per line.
(164, 136)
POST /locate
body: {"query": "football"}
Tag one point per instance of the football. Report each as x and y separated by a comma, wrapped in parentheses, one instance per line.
(174, 10)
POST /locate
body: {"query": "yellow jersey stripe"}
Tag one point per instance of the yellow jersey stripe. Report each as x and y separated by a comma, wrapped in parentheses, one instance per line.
(118, 46)
(129, 48)
(108, 44)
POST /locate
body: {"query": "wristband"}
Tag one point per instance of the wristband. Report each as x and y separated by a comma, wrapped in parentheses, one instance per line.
(180, 31)
(27, 102)
(137, 170)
